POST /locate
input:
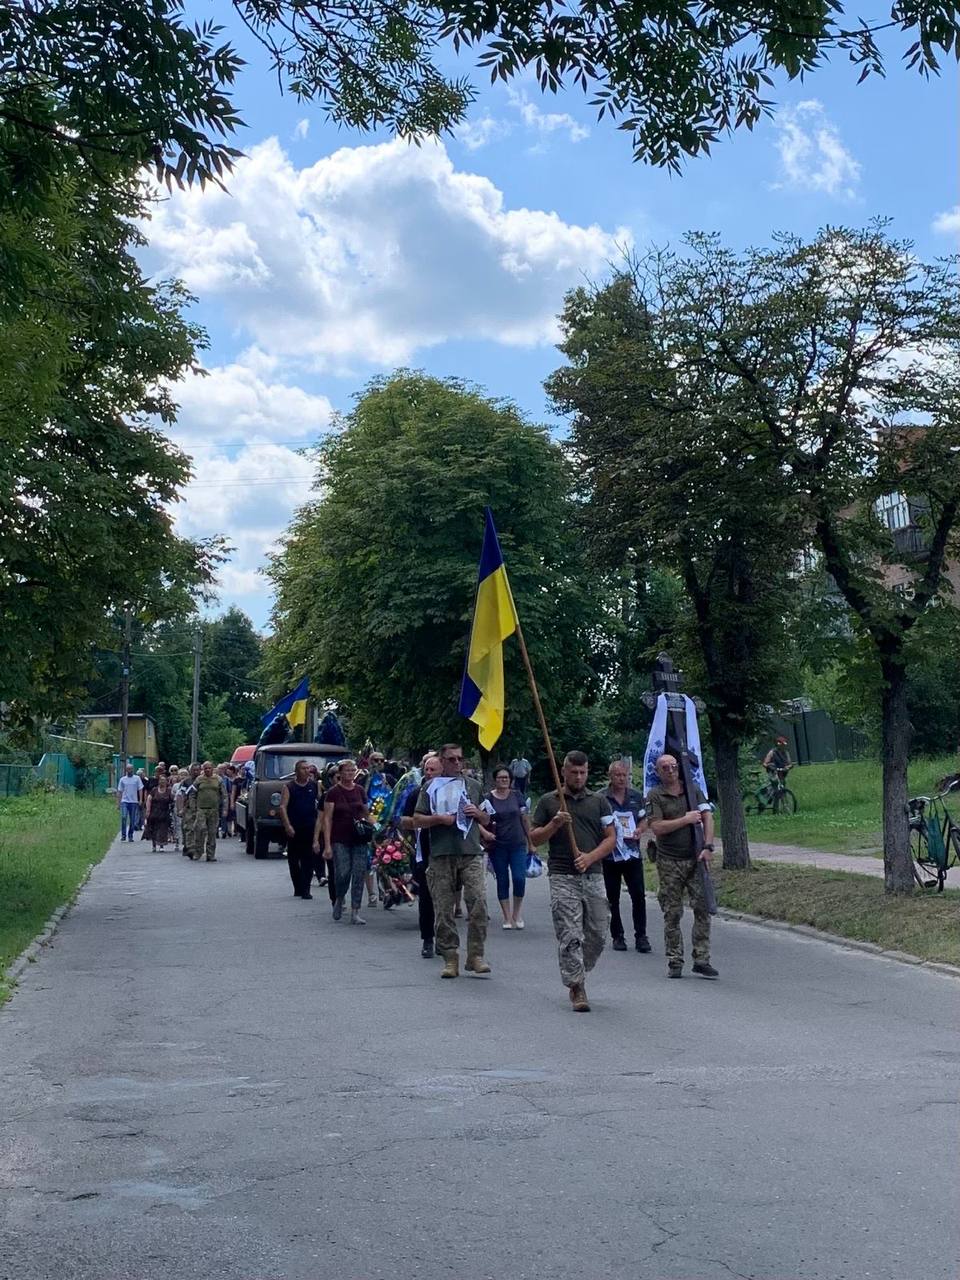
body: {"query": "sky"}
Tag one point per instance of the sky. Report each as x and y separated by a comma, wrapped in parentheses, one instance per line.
(338, 256)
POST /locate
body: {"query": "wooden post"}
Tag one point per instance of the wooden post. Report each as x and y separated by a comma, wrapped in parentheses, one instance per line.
(541, 719)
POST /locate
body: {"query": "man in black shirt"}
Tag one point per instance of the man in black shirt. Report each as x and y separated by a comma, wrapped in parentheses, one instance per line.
(578, 902)
(431, 769)
(625, 864)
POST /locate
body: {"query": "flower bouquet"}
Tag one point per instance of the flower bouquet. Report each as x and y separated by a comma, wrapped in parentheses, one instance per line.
(393, 863)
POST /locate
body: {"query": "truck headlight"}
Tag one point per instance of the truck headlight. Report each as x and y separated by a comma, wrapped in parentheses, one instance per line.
(276, 798)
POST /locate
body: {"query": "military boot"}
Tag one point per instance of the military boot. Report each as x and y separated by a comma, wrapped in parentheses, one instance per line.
(451, 968)
(476, 965)
(578, 998)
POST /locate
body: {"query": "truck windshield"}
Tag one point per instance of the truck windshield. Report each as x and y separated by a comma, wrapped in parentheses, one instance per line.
(271, 764)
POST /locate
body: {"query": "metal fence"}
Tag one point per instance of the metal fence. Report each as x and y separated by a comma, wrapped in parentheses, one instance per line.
(16, 779)
(814, 737)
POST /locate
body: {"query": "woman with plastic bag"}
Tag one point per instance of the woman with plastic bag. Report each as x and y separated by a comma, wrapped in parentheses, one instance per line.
(510, 847)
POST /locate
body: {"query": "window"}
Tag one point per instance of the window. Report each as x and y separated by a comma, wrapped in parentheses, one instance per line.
(894, 510)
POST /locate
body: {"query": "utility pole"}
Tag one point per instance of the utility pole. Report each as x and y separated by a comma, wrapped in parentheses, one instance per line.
(125, 688)
(195, 721)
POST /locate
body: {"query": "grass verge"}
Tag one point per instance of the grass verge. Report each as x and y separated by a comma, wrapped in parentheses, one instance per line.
(839, 805)
(922, 924)
(47, 843)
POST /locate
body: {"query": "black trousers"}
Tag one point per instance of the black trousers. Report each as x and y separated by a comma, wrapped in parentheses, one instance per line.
(300, 859)
(424, 902)
(614, 874)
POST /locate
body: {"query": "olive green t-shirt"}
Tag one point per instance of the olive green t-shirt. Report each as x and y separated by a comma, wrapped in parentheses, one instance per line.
(445, 841)
(662, 805)
(208, 792)
(587, 812)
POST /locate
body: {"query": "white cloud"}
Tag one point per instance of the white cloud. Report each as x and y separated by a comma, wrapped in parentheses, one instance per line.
(233, 402)
(373, 253)
(948, 223)
(301, 129)
(475, 134)
(812, 156)
(547, 122)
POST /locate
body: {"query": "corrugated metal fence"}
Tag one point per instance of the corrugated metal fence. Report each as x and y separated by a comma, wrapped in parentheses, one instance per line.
(55, 768)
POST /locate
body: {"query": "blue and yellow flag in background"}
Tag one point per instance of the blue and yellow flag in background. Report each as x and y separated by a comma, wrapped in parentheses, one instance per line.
(482, 698)
(292, 705)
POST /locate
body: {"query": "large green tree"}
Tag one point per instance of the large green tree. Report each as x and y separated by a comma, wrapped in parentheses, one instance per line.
(376, 578)
(106, 78)
(678, 473)
(87, 477)
(842, 356)
(229, 667)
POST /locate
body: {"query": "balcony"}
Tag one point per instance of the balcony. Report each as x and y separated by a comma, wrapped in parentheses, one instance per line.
(910, 542)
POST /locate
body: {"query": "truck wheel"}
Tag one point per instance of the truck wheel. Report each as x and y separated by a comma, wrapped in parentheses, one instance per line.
(248, 837)
(261, 844)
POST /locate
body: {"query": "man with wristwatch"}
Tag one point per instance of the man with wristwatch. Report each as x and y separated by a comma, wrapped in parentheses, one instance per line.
(677, 865)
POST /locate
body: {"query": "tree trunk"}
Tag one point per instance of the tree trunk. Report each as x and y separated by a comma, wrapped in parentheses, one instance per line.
(895, 748)
(736, 850)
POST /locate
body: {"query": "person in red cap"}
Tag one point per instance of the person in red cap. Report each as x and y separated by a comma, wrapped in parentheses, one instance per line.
(777, 760)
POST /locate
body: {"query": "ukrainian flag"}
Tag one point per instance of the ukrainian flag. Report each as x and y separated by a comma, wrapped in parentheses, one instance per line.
(293, 705)
(495, 617)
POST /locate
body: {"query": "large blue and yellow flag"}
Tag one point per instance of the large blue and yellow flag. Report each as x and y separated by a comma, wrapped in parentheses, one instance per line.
(292, 705)
(482, 697)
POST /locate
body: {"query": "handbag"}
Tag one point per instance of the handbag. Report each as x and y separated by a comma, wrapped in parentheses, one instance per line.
(534, 867)
(363, 831)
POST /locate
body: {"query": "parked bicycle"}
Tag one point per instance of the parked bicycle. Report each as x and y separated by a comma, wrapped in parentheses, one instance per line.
(934, 839)
(774, 795)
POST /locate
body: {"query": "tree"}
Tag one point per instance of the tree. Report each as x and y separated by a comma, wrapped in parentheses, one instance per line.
(376, 577)
(219, 738)
(87, 479)
(674, 470)
(845, 354)
(230, 662)
(107, 79)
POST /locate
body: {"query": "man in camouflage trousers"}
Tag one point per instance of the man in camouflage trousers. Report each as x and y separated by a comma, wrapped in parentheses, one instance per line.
(208, 791)
(678, 866)
(188, 811)
(456, 863)
(578, 899)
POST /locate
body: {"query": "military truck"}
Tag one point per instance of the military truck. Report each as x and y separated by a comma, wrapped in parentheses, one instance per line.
(258, 807)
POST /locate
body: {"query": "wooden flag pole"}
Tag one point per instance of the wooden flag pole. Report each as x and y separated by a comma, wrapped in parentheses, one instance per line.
(538, 707)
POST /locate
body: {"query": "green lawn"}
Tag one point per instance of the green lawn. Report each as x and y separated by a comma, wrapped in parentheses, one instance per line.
(922, 924)
(839, 805)
(47, 842)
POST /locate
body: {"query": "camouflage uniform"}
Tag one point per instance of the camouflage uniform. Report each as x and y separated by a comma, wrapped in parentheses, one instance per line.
(446, 876)
(581, 917)
(677, 875)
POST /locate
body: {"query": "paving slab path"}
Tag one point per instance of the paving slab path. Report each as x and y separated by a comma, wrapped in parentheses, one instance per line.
(857, 864)
(203, 1077)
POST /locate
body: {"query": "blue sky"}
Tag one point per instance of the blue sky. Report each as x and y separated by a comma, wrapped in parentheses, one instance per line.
(338, 255)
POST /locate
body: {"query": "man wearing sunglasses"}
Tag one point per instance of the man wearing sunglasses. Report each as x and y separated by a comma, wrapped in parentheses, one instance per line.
(456, 861)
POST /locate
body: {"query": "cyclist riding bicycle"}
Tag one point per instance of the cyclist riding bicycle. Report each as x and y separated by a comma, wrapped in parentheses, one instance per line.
(777, 761)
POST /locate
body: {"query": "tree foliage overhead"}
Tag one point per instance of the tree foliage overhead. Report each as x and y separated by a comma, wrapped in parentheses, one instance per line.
(109, 79)
(376, 580)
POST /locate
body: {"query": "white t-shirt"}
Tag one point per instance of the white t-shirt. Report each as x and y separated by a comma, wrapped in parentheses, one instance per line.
(130, 789)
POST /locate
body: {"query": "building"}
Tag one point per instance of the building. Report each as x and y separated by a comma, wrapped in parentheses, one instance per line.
(141, 736)
(905, 518)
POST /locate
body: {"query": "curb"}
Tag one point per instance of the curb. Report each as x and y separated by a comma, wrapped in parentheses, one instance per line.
(835, 940)
(45, 936)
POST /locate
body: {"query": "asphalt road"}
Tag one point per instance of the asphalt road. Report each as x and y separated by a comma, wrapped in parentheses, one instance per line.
(204, 1077)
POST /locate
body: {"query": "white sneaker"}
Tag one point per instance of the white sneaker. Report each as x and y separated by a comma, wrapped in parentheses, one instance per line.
(507, 924)
(519, 924)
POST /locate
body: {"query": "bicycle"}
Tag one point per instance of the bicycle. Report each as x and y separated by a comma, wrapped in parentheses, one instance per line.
(773, 795)
(934, 839)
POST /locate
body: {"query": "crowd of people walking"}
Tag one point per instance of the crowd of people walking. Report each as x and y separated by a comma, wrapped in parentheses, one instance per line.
(595, 841)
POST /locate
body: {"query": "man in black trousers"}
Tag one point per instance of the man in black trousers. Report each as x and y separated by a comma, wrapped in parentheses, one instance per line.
(431, 768)
(625, 864)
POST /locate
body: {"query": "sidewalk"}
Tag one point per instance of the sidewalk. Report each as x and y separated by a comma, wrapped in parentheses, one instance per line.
(862, 865)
